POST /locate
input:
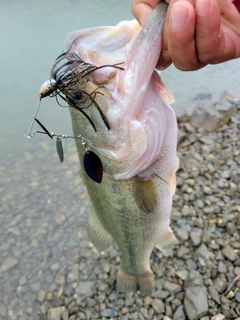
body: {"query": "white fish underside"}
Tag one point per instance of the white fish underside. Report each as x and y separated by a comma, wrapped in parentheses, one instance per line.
(133, 203)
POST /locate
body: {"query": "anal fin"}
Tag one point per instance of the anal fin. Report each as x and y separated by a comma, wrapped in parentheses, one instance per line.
(97, 233)
(167, 241)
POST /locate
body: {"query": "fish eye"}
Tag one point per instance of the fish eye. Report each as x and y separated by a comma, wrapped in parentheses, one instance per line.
(77, 96)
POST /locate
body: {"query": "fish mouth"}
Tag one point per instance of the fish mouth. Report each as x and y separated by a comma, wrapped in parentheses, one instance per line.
(120, 93)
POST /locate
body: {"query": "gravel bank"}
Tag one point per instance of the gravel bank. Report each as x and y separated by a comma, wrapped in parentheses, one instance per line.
(74, 281)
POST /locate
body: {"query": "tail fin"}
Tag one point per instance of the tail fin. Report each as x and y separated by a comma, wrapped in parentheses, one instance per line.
(128, 282)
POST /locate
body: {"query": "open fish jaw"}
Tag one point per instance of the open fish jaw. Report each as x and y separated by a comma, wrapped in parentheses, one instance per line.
(133, 203)
(136, 111)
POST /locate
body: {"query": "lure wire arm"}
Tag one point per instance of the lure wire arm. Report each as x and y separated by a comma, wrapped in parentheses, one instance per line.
(33, 120)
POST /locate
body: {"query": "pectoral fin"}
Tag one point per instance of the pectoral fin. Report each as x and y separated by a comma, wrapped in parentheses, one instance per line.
(167, 241)
(145, 195)
(97, 233)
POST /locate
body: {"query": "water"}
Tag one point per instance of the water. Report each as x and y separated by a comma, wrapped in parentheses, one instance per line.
(41, 198)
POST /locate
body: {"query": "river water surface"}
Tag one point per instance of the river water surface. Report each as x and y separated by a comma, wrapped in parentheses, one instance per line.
(42, 201)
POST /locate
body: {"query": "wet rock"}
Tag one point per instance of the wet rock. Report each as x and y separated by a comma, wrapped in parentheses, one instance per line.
(195, 302)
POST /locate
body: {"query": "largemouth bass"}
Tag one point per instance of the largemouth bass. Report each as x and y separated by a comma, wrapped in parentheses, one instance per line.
(135, 141)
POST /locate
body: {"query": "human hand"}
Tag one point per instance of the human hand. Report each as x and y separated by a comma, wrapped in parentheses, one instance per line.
(196, 32)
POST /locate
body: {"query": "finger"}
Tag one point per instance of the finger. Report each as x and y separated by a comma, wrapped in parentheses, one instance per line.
(209, 35)
(180, 33)
(215, 39)
(141, 9)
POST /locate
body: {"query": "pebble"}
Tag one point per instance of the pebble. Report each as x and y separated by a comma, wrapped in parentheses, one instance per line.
(182, 274)
(55, 313)
(237, 297)
(195, 302)
(195, 238)
(85, 288)
(194, 279)
(3, 310)
(158, 306)
(229, 253)
(161, 294)
(218, 317)
(9, 263)
(172, 287)
(214, 294)
(222, 267)
(179, 313)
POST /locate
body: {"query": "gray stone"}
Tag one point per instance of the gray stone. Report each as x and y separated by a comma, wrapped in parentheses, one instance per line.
(158, 306)
(179, 313)
(229, 253)
(194, 279)
(182, 233)
(195, 302)
(222, 267)
(65, 314)
(214, 294)
(73, 274)
(182, 274)
(195, 237)
(204, 255)
(161, 294)
(207, 118)
(182, 251)
(172, 287)
(3, 310)
(206, 236)
(237, 297)
(191, 265)
(35, 286)
(55, 313)
(85, 288)
(129, 301)
(218, 317)
(9, 263)
(107, 313)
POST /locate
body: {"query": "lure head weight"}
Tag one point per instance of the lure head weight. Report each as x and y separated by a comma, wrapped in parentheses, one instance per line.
(47, 88)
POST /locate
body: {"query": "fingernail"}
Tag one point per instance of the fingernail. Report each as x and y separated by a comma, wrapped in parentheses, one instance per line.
(178, 16)
(203, 7)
